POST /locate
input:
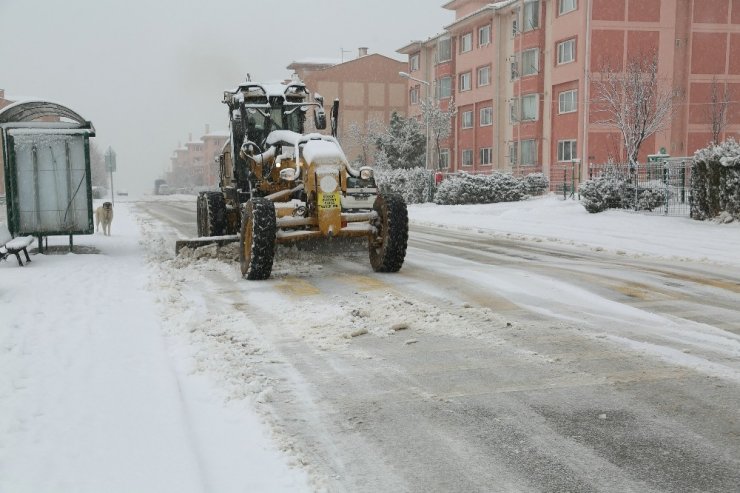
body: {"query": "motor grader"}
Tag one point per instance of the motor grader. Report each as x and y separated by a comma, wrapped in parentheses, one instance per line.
(279, 185)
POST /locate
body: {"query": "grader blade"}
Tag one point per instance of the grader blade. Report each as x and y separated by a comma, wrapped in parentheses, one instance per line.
(203, 241)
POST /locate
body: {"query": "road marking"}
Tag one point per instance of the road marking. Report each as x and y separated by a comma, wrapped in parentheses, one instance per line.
(366, 282)
(298, 287)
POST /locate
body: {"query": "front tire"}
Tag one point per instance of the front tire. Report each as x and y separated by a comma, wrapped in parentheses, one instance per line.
(388, 246)
(257, 239)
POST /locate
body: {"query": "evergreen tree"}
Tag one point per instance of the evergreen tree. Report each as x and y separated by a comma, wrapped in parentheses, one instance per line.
(402, 145)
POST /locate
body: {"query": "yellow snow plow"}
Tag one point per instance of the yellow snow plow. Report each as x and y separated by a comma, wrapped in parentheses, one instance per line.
(279, 185)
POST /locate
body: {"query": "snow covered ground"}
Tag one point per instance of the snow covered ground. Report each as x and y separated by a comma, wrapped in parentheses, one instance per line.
(566, 222)
(95, 395)
(107, 381)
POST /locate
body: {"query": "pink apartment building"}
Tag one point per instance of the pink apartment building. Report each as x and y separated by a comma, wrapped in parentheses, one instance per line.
(519, 73)
(194, 164)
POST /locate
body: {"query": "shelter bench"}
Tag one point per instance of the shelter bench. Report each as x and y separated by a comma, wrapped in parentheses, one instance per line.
(14, 246)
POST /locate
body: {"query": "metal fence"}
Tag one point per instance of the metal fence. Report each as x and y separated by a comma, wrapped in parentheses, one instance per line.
(565, 178)
(662, 187)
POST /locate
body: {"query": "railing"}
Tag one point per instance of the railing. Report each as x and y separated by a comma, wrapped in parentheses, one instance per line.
(565, 179)
(662, 187)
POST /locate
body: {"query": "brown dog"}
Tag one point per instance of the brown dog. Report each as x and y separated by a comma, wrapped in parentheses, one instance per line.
(104, 215)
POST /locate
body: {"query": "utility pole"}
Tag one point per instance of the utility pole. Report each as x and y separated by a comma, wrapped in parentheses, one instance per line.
(110, 165)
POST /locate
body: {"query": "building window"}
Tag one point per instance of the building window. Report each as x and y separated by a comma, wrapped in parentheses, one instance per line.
(531, 15)
(566, 150)
(467, 119)
(486, 116)
(567, 101)
(465, 83)
(484, 35)
(466, 42)
(566, 51)
(414, 95)
(566, 6)
(530, 62)
(444, 159)
(486, 155)
(484, 76)
(444, 88)
(529, 152)
(414, 63)
(467, 157)
(515, 24)
(529, 107)
(444, 50)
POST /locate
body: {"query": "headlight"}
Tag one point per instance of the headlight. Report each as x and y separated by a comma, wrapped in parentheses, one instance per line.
(366, 173)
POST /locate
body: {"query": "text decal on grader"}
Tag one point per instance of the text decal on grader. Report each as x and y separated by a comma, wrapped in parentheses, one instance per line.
(329, 200)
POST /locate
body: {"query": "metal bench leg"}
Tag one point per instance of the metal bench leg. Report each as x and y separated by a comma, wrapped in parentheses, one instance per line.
(25, 251)
(18, 256)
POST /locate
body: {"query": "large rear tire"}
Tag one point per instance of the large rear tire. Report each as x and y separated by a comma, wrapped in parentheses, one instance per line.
(388, 246)
(211, 214)
(201, 209)
(257, 239)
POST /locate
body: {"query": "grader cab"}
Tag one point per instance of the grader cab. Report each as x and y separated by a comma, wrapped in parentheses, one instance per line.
(280, 185)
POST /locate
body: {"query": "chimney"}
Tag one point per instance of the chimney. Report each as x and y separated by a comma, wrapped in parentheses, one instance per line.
(190, 137)
(208, 129)
(363, 52)
(2, 93)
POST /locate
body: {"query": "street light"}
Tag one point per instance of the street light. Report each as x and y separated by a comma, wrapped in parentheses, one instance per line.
(426, 150)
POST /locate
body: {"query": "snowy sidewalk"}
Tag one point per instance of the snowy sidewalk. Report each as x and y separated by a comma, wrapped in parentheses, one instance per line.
(566, 222)
(92, 398)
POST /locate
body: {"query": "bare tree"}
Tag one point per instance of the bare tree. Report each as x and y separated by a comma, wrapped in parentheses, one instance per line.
(719, 101)
(632, 100)
(364, 138)
(440, 121)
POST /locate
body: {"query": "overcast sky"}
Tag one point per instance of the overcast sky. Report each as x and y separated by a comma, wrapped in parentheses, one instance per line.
(148, 73)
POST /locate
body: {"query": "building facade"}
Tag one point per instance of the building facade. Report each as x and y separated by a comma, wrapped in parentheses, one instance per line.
(521, 72)
(195, 165)
(368, 88)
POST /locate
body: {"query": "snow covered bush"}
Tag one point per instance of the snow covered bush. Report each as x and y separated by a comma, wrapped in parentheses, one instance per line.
(715, 181)
(536, 183)
(414, 184)
(480, 189)
(605, 191)
(650, 198)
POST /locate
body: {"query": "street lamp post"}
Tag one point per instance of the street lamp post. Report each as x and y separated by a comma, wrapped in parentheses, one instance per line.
(110, 165)
(427, 164)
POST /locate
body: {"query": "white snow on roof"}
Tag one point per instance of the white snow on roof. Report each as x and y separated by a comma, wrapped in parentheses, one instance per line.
(317, 61)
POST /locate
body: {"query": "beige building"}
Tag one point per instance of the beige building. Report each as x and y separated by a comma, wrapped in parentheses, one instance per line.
(194, 164)
(368, 87)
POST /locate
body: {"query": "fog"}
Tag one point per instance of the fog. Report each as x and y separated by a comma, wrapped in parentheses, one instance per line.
(149, 73)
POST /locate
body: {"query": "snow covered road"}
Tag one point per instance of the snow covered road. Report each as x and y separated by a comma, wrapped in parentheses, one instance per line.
(496, 360)
(487, 364)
